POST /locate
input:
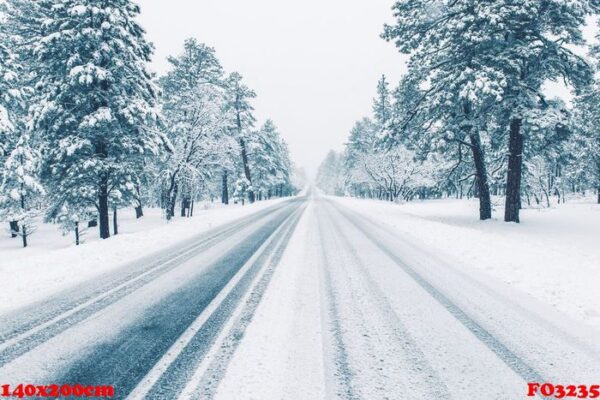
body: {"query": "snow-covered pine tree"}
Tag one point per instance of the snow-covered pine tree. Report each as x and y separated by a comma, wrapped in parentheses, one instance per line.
(330, 175)
(270, 162)
(382, 104)
(20, 187)
(363, 140)
(479, 56)
(239, 97)
(587, 138)
(196, 120)
(7, 129)
(98, 103)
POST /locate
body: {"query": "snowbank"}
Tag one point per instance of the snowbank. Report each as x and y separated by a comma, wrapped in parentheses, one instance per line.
(53, 263)
(553, 255)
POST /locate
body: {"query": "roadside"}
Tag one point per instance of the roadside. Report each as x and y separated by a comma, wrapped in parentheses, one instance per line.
(31, 274)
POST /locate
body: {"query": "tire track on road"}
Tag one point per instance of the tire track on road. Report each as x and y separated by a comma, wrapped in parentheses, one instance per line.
(28, 339)
(512, 360)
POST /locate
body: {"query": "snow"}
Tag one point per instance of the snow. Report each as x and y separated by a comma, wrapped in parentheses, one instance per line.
(284, 342)
(553, 255)
(52, 262)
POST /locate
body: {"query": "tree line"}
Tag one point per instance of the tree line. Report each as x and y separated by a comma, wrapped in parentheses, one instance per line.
(86, 129)
(470, 116)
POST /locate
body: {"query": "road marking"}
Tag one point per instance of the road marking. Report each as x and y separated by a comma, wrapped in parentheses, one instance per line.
(145, 385)
(193, 384)
(162, 264)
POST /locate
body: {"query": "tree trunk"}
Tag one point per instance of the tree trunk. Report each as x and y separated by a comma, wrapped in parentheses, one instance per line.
(92, 223)
(225, 190)
(139, 211)
(115, 224)
(171, 197)
(76, 233)
(24, 236)
(251, 195)
(191, 213)
(103, 209)
(14, 228)
(515, 166)
(185, 205)
(483, 188)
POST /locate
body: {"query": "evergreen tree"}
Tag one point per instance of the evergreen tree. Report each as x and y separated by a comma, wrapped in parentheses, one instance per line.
(270, 162)
(382, 104)
(196, 119)
(239, 96)
(20, 188)
(98, 103)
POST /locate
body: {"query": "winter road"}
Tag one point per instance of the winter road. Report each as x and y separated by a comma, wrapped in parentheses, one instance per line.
(303, 300)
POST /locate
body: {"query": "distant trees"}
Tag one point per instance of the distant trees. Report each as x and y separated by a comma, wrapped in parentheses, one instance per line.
(271, 164)
(330, 176)
(473, 102)
(86, 129)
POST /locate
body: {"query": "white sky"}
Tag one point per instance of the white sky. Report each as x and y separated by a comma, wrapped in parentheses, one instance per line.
(313, 63)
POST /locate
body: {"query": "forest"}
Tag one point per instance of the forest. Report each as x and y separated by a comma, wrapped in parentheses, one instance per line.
(471, 118)
(86, 129)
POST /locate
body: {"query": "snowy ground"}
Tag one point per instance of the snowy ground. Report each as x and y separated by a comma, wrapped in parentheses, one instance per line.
(553, 255)
(52, 262)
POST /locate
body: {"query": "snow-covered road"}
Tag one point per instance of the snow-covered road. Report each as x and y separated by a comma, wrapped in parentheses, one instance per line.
(307, 299)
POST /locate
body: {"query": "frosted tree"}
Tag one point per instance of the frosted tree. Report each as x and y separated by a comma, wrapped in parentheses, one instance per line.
(7, 101)
(239, 97)
(477, 57)
(270, 161)
(382, 103)
(363, 140)
(330, 175)
(20, 187)
(587, 138)
(196, 119)
(398, 172)
(97, 107)
(18, 160)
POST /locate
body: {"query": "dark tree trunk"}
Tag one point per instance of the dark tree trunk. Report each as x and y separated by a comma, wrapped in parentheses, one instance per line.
(103, 209)
(251, 194)
(115, 223)
(515, 166)
(139, 211)
(14, 229)
(76, 233)
(24, 236)
(185, 205)
(191, 212)
(171, 197)
(483, 188)
(225, 189)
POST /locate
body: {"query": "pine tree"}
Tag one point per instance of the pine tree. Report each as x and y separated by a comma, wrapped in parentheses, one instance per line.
(270, 161)
(98, 103)
(20, 187)
(239, 96)
(490, 58)
(382, 104)
(196, 119)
